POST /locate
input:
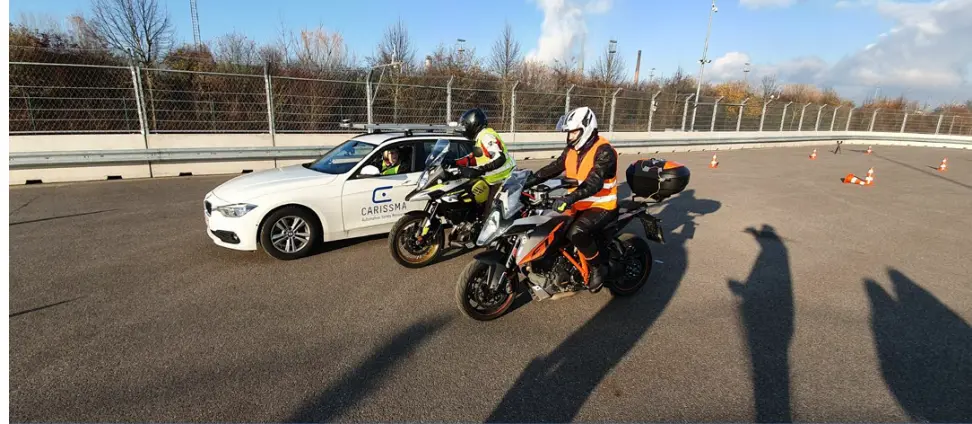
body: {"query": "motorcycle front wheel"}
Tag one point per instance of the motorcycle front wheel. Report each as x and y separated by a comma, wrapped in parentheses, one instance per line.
(405, 246)
(474, 296)
(636, 260)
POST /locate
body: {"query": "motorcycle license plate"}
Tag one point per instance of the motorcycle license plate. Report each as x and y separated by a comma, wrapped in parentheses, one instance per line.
(652, 230)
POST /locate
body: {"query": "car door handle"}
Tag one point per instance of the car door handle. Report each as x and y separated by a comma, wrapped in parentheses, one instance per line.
(410, 181)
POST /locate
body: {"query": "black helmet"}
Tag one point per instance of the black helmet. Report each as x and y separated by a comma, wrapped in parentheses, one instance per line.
(473, 121)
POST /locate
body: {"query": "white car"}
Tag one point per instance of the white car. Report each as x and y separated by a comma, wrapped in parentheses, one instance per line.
(287, 211)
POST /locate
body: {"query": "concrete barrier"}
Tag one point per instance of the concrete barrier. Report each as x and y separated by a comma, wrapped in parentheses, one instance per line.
(653, 143)
(66, 143)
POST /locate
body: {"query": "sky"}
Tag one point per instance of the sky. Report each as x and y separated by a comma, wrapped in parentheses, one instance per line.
(920, 49)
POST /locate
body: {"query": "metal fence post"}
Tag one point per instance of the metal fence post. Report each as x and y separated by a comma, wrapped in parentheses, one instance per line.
(742, 107)
(939, 125)
(513, 108)
(715, 111)
(269, 89)
(951, 125)
(783, 119)
(904, 122)
(833, 120)
(449, 99)
(849, 115)
(685, 111)
(614, 102)
(137, 86)
(567, 102)
(873, 118)
(651, 110)
(802, 113)
(369, 98)
(763, 116)
(816, 126)
(695, 110)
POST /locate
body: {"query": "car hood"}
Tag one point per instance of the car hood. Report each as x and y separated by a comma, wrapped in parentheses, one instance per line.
(253, 185)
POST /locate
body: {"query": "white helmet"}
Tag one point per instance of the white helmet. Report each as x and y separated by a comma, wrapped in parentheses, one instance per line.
(580, 126)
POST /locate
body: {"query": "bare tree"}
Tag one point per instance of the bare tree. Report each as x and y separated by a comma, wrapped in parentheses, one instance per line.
(769, 86)
(506, 58)
(235, 49)
(609, 69)
(321, 50)
(395, 45)
(136, 26)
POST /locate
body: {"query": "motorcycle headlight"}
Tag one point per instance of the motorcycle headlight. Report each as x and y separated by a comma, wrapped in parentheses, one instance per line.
(490, 229)
(235, 210)
(423, 179)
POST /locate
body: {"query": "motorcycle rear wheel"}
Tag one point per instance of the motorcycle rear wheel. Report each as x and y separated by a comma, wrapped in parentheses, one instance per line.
(473, 287)
(637, 262)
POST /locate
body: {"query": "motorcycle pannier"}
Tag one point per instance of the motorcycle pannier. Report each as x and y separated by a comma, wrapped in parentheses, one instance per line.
(657, 178)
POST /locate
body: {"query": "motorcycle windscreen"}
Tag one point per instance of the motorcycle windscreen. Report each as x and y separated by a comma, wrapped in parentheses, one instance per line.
(535, 244)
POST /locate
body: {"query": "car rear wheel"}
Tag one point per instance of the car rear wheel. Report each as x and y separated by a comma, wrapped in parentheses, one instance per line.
(289, 233)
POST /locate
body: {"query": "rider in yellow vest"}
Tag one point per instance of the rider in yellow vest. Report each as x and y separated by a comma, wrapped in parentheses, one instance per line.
(489, 159)
(592, 161)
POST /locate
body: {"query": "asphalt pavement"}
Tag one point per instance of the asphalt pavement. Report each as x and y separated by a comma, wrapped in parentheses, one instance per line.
(781, 294)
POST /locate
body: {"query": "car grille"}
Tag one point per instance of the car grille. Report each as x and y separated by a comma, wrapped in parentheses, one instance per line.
(209, 207)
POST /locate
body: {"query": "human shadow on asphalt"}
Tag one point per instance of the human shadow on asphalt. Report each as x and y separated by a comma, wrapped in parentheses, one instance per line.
(767, 313)
(925, 351)
(367, 377)
(555, 387)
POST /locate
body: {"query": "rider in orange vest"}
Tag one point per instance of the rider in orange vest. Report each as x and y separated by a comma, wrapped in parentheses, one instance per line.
(589, 159)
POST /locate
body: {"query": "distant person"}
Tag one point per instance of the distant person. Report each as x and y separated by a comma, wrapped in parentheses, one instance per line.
(837, 150)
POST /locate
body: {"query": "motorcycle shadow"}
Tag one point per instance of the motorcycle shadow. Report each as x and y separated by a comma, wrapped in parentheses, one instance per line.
(541, 393)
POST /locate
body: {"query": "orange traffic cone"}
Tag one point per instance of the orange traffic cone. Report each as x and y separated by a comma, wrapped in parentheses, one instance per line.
(868, 150)
(851, 179)
(869, 180)
(943, 167)
(714, 163)
(813, 156)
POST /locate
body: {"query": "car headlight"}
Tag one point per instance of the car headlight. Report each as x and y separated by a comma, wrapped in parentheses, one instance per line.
(490, 229)
(236, 210)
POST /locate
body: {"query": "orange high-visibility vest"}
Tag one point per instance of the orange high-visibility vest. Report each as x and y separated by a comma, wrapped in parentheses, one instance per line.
(607, 197)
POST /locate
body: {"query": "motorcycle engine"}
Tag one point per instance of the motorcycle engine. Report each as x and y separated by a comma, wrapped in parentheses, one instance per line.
(554, 275)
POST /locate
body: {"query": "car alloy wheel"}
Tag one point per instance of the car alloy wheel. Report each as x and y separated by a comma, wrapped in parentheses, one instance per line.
(290, 234)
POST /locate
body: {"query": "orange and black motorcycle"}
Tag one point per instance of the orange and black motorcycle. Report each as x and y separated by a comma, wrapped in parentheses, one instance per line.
(528, 245)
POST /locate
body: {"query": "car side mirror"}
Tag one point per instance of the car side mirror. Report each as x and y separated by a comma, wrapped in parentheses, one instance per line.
(370, 171)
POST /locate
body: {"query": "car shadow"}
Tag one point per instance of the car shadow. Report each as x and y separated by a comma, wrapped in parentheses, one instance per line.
(553, 388)
(367, 377)
(924, 349)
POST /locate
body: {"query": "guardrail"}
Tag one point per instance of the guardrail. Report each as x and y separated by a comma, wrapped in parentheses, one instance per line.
(80, 165)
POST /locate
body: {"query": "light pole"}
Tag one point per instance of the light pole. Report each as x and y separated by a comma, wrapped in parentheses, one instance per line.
(703, 61)
(746, 75)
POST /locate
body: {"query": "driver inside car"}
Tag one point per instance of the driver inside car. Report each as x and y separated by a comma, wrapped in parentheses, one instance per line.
(390, 162)
(592, 161)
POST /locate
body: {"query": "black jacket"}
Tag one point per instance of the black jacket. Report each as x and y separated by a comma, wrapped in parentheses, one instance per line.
(605, 166)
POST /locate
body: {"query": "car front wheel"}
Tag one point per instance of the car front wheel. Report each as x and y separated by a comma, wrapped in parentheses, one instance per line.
(289, 233)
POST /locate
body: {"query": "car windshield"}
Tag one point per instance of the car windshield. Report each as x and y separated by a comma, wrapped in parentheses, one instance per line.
(342, 158)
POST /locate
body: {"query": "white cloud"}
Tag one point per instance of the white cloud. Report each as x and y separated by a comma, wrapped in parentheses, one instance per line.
(564, 27)
(926, 54)
(756, 4)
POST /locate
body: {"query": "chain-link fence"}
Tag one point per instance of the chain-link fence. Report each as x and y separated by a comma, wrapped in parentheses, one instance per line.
(85, 98)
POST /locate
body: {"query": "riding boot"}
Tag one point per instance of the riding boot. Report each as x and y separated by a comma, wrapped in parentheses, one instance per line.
(598, 272)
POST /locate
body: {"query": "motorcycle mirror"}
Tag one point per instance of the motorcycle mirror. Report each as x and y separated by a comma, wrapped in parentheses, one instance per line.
(570, 182)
